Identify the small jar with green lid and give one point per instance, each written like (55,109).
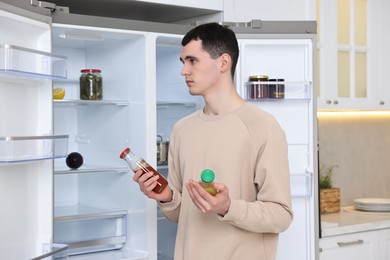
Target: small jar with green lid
(207,177)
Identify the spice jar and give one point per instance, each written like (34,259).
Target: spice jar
(256,88)
(206,181)
(91,84)
(276,90)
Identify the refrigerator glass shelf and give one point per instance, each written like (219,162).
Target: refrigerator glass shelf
(76,102)
(15,149)
(77,212)
(90,169)
(24,62)
(277,90)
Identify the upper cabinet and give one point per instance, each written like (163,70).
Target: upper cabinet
(351,54)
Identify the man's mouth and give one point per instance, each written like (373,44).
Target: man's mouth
(189,82)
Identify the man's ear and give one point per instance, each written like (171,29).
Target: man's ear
(226,62)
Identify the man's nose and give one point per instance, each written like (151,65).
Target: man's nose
(184,70)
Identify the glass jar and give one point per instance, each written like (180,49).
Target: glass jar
(276,90)
(256,89)
(91,84)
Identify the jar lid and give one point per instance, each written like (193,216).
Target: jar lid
(124,153)
(258,77)
(90,70)
(207,176)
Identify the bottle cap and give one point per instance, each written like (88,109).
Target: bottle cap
(90,70)
(124,153)
(207,176)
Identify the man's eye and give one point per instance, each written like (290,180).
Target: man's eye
(193,61)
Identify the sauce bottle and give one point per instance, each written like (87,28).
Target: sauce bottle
(207,177)
(135,162)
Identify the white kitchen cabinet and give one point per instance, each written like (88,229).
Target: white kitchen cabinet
(245,11)
(357,246)
(385,244)
(353,88)
(381,53)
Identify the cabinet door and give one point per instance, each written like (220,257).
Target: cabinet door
(381,53)
(357,246)
(385,244)
(348,55)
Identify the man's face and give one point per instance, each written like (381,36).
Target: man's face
(201,72)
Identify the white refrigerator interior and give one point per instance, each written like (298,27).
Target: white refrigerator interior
(27,143)
(98,207)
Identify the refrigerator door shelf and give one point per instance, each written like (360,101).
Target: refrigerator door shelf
(26,62)
(87,229)
(14,149)
(287,90)
(301,185)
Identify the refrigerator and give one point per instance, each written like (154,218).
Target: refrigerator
(97,210)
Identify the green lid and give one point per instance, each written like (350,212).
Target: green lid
(207,176)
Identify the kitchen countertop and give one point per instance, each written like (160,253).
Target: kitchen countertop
(349,220)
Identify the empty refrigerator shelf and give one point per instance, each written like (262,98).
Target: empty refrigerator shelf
(30,148)
(77,212)
(76,102)
(20,61)
(87,229)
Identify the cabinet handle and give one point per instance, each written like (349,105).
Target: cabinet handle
(328,102)
(381,102)
(336,102)
(356,242)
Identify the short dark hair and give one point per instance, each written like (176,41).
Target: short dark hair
(216,40)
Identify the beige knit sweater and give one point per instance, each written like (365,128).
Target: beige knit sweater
(247,150)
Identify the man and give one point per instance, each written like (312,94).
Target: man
(243,145)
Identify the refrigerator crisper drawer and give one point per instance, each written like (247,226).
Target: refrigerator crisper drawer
(30,148)
(28,62)
(88,230)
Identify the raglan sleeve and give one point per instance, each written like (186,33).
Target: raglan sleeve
(271,212)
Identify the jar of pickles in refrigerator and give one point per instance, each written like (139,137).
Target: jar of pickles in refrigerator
(91,84)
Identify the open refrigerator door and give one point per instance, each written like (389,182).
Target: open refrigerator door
(27,143)
(286,61)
